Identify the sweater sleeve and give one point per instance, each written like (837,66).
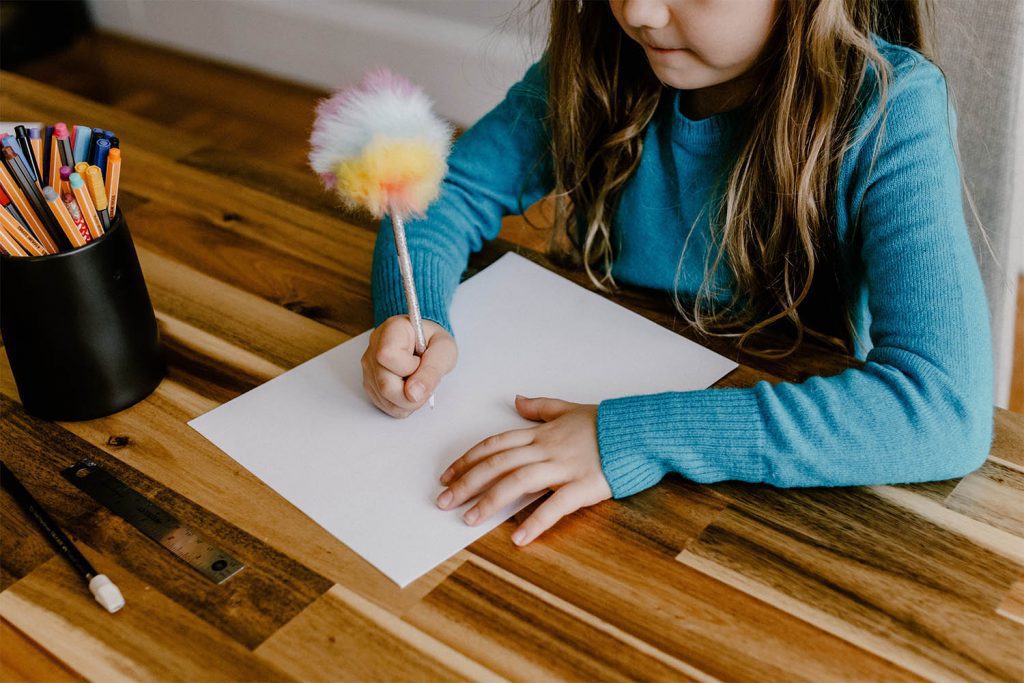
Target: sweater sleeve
(919,409)
(499,166)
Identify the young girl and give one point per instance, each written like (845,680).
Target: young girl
(772,165)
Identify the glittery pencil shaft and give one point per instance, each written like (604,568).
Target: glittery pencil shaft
(409,284)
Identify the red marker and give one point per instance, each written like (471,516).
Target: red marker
(5,201)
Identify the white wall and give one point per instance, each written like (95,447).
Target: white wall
(453,48)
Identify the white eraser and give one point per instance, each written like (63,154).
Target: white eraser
(106,593)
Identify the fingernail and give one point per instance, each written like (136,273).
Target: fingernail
(518,537)
(445,499)
(446,476)
(417,390)
(471,516)
(519,396)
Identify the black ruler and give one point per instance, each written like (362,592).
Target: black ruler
(153,521)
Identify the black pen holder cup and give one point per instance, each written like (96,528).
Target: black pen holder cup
(79,328)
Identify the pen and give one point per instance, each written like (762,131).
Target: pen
(35,198)
(113,177)
(12,143)
(102,588)
(83,137)
(94,181)
(85,204)
(35,227)
(76,215)
(100,157)
(5,201)
(53,164)
(47,151)
(35,139)
(62,139)
(65,179)
(67,223)
(9,245)
(97,134)
(22,236)
(21,133)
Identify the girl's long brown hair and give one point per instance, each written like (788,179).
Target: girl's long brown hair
(774,224)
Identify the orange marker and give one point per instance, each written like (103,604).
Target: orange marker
(113,178)
(94,181)
(81,167)
(40,236)
(55,164)
(76,216)
(36,140)
(9,245)
(85,204)
(67,224)
(19,234)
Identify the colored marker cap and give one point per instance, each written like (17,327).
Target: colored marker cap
(60,130)
(65,172)
(49,193)
(76,181)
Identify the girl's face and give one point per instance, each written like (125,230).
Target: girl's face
(693,44)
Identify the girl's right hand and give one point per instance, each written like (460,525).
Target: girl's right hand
(397,380)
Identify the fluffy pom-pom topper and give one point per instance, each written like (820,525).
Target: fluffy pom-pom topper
(380,146)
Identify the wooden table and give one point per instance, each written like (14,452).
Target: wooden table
(253,270)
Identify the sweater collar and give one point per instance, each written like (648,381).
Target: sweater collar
(706,133)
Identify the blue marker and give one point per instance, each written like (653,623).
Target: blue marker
(83,137)
(100,158)
(97,135)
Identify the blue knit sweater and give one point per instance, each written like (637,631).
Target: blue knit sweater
(919,409)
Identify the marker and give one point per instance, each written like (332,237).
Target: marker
(97,134)
(35,199)
(113,178)
(64,218)
(22,236)
(115,142)
(63,141)
(76,216)
(35,139)
(9,245)
(5,201)
(81,167)
(94,181)
(83,137)
(53,163)
(47,149)
(100,157)
(85,204)
(35,228)
(102,588)
(65,177)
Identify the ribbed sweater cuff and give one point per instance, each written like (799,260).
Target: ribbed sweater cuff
(435,281)
(706,436)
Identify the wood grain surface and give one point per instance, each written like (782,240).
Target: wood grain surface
(253,270)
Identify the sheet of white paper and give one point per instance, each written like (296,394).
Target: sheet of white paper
(371,480)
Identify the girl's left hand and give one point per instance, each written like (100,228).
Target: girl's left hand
(561,455)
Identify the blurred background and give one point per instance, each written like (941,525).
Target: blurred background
(249,73)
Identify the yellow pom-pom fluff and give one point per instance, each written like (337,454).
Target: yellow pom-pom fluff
(402,175)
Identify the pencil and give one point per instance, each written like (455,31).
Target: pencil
(102,588)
